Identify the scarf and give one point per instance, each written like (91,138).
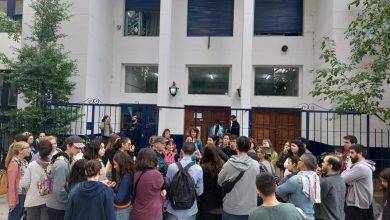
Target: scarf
(311,185)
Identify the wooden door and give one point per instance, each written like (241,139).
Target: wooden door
(279,126)
(203,118)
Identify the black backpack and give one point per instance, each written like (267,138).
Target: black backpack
(182,193)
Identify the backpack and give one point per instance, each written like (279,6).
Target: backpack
(183,194)
(45,182)
(3,182)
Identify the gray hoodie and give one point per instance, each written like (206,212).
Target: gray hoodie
(359,184)
(59,171)
(243,197)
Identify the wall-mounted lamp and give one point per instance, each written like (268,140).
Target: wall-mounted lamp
(284,48)
(173,89)
(239,92)
(118,27)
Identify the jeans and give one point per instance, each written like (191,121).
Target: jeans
(17,212)
(123,214)
(173,217)
(37,212)
(227,216)
(55,214)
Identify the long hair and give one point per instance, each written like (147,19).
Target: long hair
(146,159)
(77,173)
(113,138)
(301,148)
(270,144)
(211,160)
(125,165)
(385,174)
(197,136)
(14,150)
(92,151)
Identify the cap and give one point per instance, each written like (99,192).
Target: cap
(160,139)
(76,140)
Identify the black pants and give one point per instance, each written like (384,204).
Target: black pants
(55,214)
(355,213)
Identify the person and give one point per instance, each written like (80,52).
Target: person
(16,165)
(217,130)
(296,149)
(292,168)
(238,202)
(95,151)
(30,141)
(124,166)
(77,173)
(159,145)
(113,138)
(170,153)
(332,191)
(271,209)
(264,154)
(359,182)
(384,176)
(303,190)
(282,158)
(134,132)
(54,149)
(148,199)
(195,135)
(61,163)
(274,155)
(232,150)
(90,199)
(35,203)
(252,152)
(109,154)
(212,140)
(348,141)
(210,202)
(305,144)
(195,171)
(105,128)
(235,128)
(166,133)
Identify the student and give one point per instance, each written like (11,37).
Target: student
(16,165)
(90,199)
(385,178)
(77,173)
(271,208)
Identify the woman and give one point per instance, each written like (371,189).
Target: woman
(197,154)
(264,154)
(77,173)
(90,199)
(194,133)
(149,198)
(109,154)
(124,167)
(296,149)
(292,168)
(282,158)
(105,128)
(170,155)
(212,140)
(95,150)
(113,138)
(166,134)
(385,178)
(252,151)
(210,207)
(36,171)
(16,166)
(274,155)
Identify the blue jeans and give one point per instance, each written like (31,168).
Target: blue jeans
(17,212)
(123,214)
(173,217)
(227,216)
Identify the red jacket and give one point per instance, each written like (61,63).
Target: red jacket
(13,174)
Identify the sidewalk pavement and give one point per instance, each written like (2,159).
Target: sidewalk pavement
(3,207)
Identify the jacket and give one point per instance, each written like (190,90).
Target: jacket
(90,200)
(59,172)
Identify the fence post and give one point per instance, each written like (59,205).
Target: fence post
(307,125)
(93,123)
(368,136)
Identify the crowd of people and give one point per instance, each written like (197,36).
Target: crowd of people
(230,177)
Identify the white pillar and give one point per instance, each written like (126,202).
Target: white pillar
(164,60)
(246,67)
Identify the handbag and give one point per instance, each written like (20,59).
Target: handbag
(3,182)
(228,185)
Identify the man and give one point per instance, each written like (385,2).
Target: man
(235,128)
(54,149)
(134,132)
(158,145)
(348,141)
(359,184)
(232,148)
(196,173)
(303,189)
(271,208)
(242,198)
(332,191)
(305,144)
(217,130)
(56,201)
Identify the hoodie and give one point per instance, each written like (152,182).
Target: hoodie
(60,170)
(90,200)
(243,196)
(359,184)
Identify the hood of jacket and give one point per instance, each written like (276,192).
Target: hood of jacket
(240,163)
(369,163)
(91,189)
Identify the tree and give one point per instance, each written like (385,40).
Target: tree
(7,25)
(358,84)
(41,72)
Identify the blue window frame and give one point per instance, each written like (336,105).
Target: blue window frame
(142,18)
(278,17)
(210,17)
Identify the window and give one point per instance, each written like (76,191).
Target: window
(3,6)
(8,94)
(276,81)
(210,17)
(142,18)
(141,79)
(208,80)
(278,17)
